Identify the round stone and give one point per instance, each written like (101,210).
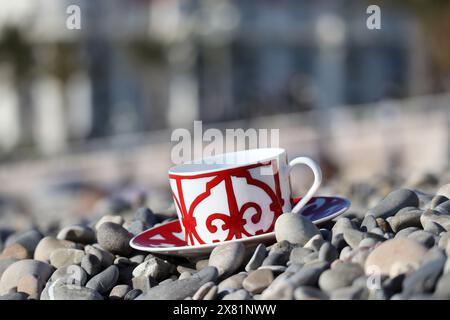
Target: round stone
(395,256)
(21,268)
(227,258)
(106,258)
(444,191)
(91,264)
(49,244)
(393,202)
(328,253)
(114,238)
(406,217)
(78,234)
(341,276)
(154,267)
(258,280)
(64,257)
(15,251)
(109,218)
(233,283)
(60,291)
(105,280)
(70,275)
(146,216)
(28,239)
(119,292)
(295,228)
(257,258)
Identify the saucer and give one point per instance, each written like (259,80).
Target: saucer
(168,238)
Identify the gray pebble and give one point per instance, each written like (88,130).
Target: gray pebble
(91,264)
(105,280)
(180,289)
(328,253)
(424,279)
(119,292)
(257,258)
(341,276)
(393,202)
(294,228)
(227,258)
(132,294)
(406,217)
(114,238)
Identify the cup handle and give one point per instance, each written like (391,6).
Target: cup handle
(317,180)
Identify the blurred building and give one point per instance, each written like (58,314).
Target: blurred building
(142,65)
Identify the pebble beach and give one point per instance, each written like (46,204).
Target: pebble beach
(392,244)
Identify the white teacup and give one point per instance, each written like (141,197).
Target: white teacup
(236,195)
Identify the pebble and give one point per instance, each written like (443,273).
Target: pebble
(143,283)
(368,223)
(406,217)
(405,232)
(383,225)
(295,228)
(308,275)
(109,218)
(106,258)
(154,267)
(185,275)
(238,295)
(423,237)
(326,234)
(105,280)
(47,245)
(353,237)
(257,258)
(114,238)
(395,256)
(135,227)
(180,289)
(434,228)
(437,200)
(444,191)
(444,240)
(71,274)
(78,234)
(146,216)
(393,202)
(31,285)
(341,276)
(443,287)
(207,291)
(258,280)
(443,208)
(279,290)
(15,251)
(298,254)
(201,264)
(309,293)
(340,225)
(119,292)
(132,294)
(314,243)
(14,296)
(233,283)
(28,239)
(11,276)
(61,291)
(424,279)
(338,241)
(64,257)
(367,243)
(227,258)
(5,263)
(91,264)
(436,216)
(278,254)
(328,253)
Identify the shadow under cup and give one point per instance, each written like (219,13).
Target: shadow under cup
(231,196)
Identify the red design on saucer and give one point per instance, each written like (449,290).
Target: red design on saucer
(234,222)
(170,234)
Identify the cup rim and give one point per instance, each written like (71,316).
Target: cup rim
(193,168)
